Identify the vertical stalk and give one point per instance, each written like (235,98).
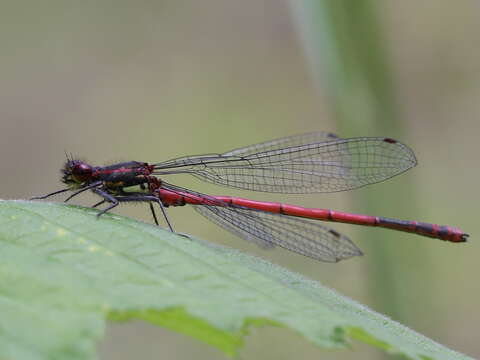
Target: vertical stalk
(344,46)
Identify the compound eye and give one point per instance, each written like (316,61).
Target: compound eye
(81,172)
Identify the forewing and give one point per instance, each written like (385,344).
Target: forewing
(315,162)
(282,143)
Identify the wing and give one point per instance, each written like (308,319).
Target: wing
(285,142)
(314,162)
(305,237)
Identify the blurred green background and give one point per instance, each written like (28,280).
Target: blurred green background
(151,80)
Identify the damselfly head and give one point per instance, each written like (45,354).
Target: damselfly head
(76,173)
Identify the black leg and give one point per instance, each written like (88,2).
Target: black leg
(153,213)
(165,214)
(48,195)
(141,198)
(108,208)
(107,197)
(91,186)
(98,204)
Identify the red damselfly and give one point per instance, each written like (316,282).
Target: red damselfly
(307,163)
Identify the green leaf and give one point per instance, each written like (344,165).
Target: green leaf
(63,272)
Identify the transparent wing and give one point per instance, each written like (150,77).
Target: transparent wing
(285,142)
(314,162)
(302,236)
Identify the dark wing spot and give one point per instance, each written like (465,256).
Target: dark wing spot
(334,233)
